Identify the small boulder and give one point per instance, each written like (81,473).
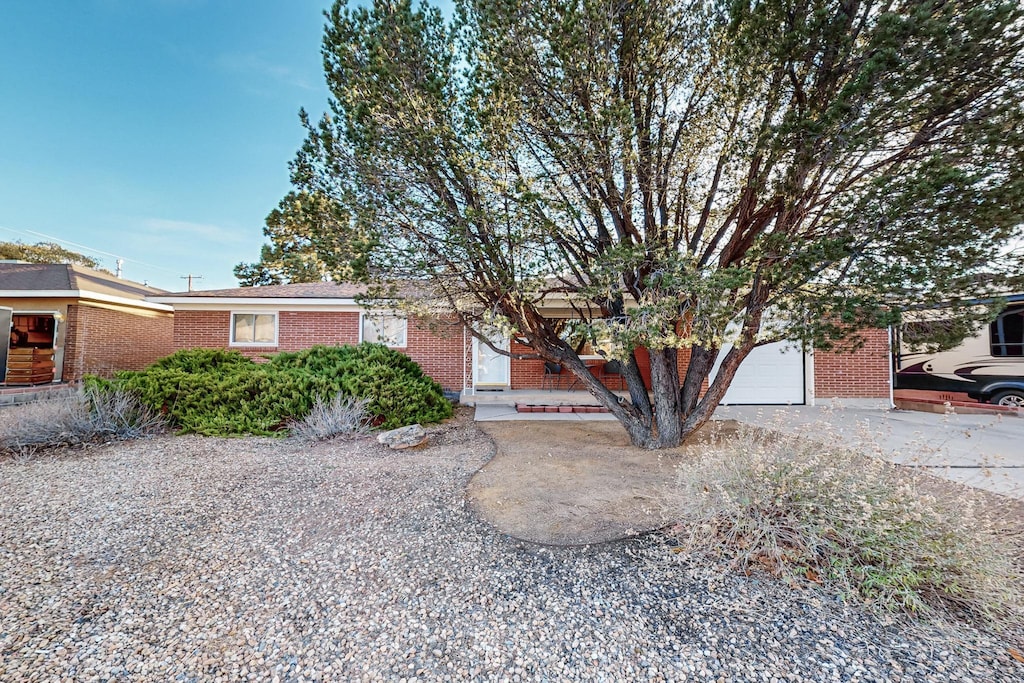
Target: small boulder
(403,437)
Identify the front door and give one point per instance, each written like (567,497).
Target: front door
(490,368)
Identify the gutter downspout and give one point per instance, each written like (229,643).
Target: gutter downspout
(892,370)
(465,362)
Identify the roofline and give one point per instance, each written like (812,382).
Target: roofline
(85,295)
(229,301)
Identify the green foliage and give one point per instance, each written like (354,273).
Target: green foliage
(806,508)
(397,391)
(310,240)
(45,252)
(700,172)
(222,393)
(201,360)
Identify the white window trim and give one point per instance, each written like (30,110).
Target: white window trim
(391,314)
(231,329)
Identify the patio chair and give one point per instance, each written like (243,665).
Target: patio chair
(612,371)
(552,376)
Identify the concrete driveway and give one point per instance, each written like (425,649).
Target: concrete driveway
(986,451)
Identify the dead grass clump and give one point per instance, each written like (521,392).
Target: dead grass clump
(806,511)
(341,416)
(74,419)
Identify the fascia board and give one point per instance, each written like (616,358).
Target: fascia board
(196,303)
(84,295)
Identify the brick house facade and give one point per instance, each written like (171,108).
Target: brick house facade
(865,373)
(75,321)
(436,351)
(296,316)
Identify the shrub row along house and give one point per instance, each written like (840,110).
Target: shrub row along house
(71,320)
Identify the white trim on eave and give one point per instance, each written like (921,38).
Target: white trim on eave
(209,303)
(84,295)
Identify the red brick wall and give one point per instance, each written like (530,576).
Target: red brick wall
(526,374)
(529,374)
(301,329)
(861,374)
(442,352)
(100,340)
(439,352)
(201,329)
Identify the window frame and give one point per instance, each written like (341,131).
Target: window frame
(231,329)
(364,315)
(997,329)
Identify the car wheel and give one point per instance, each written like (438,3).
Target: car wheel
(1013,398)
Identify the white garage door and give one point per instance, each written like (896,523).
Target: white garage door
(772,374)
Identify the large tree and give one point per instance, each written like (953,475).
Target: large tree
(305,243)
(701,175)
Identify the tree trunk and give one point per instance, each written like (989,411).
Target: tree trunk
(705,408)
(701,361)
(638,391)
(665,387)
(671,419)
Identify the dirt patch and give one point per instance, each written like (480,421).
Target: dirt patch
(575,483)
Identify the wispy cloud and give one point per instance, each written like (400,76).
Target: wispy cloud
(205,233)
(253,66)
(164,250)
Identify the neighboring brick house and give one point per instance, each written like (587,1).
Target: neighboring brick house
(67,321)
(262,320)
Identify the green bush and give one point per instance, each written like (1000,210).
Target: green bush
(201,360)
(223,393)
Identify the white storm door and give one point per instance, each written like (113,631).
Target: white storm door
(490,368)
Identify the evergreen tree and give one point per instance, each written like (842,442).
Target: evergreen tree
(708,175)
(310,240)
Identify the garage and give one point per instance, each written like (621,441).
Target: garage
(772,374)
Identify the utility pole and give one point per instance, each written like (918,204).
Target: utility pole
(191,277)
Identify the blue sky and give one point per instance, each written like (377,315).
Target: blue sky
(157,131)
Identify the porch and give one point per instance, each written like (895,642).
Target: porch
(531,397)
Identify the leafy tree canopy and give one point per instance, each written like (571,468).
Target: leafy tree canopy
(696,177)
(306,243)
(45,252)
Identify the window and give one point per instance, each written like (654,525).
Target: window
(254,328)
(385,328)
(1006,334)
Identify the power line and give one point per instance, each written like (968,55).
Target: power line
(105,253)
(73,244)
(93,250)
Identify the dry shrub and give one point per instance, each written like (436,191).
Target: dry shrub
(73,419)
(806,511)
(341,416)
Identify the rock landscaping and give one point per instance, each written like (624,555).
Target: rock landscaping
(195,559)
(403,437)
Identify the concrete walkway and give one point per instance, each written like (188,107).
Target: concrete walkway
(984,451)
(497,412)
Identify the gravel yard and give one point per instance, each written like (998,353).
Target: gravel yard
(188,559)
